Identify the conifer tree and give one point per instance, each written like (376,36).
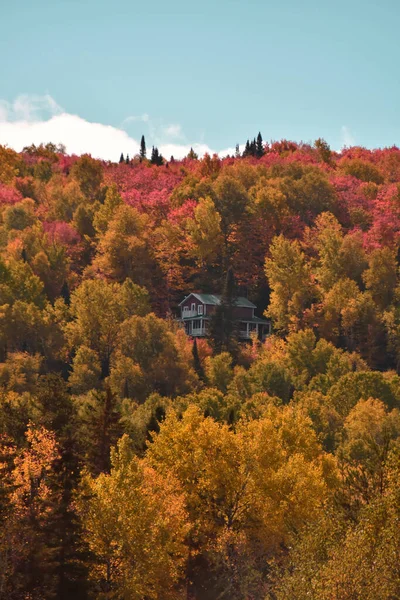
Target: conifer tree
(156,157)
(237,151)
(192,154)
(223,329)
(65,293)
(142,147)
(121,158)
(127,161)
(196,361)
(259,146)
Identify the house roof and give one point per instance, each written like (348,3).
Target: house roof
(215,299)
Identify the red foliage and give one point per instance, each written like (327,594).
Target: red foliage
(9,195)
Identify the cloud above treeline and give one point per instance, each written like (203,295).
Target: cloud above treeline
(39,119)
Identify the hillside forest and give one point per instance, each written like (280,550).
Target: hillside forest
(139,464)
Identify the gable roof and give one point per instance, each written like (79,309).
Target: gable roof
(215,299)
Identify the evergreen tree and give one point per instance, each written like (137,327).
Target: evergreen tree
(259,146)
(196,361)
(142,147)
(237,151)
(65,293)
(156,157)
(127,161)
(192,155)
(246,151)
(223,328)
(121,158)
(23,255)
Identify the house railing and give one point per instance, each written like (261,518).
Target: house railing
(187,314)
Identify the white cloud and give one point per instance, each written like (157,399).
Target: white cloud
(173,131)
(144,118)
(39,119)
(347,138)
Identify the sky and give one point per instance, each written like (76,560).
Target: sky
(96,75)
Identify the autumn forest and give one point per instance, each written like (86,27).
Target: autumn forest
(140,464)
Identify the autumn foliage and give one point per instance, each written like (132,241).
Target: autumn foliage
(135,464)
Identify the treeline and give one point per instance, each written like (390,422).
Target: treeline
(137,464)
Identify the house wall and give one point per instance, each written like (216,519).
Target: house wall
(242,312)
(189,301)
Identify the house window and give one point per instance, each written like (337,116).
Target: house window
(193,307)
(199,309)
(196,324)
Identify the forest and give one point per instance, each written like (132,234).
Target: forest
(139,464)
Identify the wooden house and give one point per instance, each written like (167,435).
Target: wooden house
(197,310)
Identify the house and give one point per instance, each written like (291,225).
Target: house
(197,310)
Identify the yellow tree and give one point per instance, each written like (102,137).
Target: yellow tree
(246,491)
(135,525)
(290,281)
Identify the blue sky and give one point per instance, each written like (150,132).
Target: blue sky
(210,73)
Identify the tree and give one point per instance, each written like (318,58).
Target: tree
(124,249)
(89,174)
(150,352)
(156,157)
(246,490)
(223,334)
(192,154)
(121,158)
(381,276)
(290,281)
(29,564)
(324,150)
(198,367)
(205,232)
(98,310)
(259,146)
(142,147)
(135,524)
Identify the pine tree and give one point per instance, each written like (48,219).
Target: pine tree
(246,151)
(223,328)
(196,361)
(65,293)
(142,147)
(259,146)
(192,155)
(237,151)
(156,157)
(127,161)
(121,158)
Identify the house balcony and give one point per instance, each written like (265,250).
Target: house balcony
(189,314)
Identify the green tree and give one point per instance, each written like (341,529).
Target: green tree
(89,174)
(223,327)
(142,147)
